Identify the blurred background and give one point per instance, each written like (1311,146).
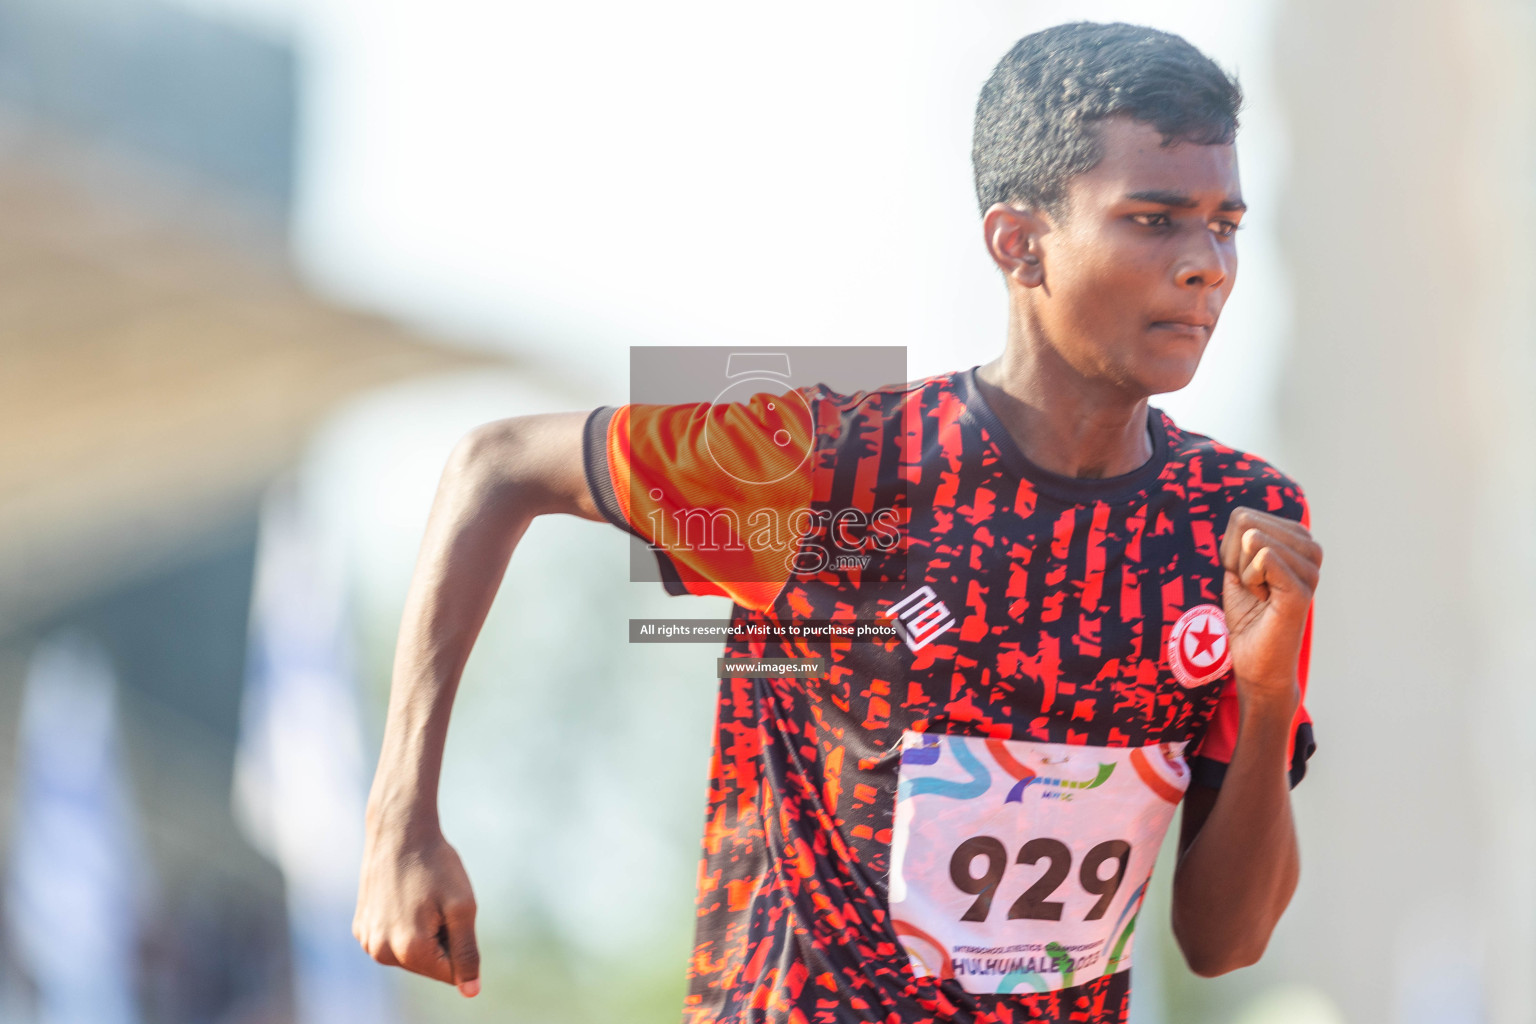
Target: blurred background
(263,261)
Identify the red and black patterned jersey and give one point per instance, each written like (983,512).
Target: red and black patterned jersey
(1033,614)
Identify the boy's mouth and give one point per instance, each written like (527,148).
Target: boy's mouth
(1194,326)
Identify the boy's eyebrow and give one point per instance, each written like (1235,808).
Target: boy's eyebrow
(1180,200)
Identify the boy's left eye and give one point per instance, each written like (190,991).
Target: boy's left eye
(1223,228)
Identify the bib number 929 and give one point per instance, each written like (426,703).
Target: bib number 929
(1034,905)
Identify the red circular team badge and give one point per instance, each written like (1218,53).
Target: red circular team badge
(1197,648)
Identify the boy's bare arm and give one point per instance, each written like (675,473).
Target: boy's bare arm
(415,908)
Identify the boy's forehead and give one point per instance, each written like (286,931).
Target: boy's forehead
(1134,162)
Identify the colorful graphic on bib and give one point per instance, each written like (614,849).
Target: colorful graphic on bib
(1133,911)
(926,751)
(1001,900)
(1011,982)
(919,943)
(1163,769)
(1198,651)
(1027,777)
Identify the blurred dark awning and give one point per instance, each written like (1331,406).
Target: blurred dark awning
(159,364)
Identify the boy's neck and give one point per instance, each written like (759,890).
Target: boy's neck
(1062,422)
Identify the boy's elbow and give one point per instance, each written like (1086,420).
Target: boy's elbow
(525,465)
(1217,964)
(489,462)
(1211,959)
(484,447)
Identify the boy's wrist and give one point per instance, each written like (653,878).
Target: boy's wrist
(1269,695)
(405,808)
(404,792)
(1266,717)
(1268,706)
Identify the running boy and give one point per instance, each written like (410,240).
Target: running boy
(1098,614)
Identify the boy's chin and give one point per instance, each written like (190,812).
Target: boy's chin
(1165,380)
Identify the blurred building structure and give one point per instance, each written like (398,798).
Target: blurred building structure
(75,892)
(160,366)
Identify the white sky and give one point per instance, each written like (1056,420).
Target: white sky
(566,180)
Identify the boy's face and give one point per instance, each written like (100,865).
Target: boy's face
(1136,269)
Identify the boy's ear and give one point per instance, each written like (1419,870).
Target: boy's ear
(1013,238)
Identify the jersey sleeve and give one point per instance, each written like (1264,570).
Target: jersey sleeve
(1208,766)
(719,491)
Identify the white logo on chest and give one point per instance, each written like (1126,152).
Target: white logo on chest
(921,618)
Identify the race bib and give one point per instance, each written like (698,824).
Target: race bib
(1021,866)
